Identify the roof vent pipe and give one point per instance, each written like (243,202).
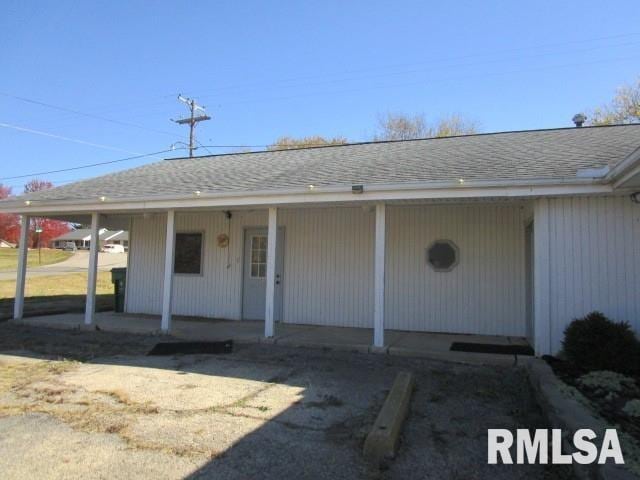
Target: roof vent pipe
(579,119)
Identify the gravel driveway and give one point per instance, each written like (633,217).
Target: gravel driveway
(108,411)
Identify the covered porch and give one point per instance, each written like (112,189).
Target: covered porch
(353,275)
(402,343)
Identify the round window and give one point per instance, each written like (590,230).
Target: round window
(442,255)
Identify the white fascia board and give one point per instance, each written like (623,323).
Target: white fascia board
(628,175)
(621,170)
(424,191)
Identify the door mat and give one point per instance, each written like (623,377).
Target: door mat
(491,348)
(192,348)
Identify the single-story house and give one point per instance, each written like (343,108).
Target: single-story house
(6,244)
(120,238)
(510,234)
(81,237)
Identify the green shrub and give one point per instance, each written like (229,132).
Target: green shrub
(596,343)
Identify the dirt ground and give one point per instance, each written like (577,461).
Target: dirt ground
(92,405)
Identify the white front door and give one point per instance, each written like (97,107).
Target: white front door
(255,274)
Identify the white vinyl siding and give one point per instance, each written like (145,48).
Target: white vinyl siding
(217,292)
(328,263)
(145,265)
(594,261)
(482,294)
(328,267)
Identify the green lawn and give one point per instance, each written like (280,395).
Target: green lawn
(9,257)
(55,285)
(56,294)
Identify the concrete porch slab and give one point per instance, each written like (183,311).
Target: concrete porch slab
(413,344)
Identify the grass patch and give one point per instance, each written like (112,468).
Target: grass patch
(15,376)
(56,285)
(9,257)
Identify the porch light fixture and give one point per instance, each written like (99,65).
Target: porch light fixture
(311,187)
(357,189)
(103,199)
(461,181)
(197,193)
(27,202)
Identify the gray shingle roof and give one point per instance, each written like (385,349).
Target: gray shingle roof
(508,156)
(77,234)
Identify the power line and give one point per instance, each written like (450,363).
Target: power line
(206,147)
(87,166)
(334,80)
(196,114)
(396,73)
(453,58)
(61,137)
(135,105)
(428,83)
(203,146)
(84,114)
(108,147)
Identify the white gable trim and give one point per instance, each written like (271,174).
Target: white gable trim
(115,234)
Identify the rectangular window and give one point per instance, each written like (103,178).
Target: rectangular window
(259,256)
(188,254)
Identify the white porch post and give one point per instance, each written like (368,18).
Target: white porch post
(541,278)
(94,247)
(272,236)
(18,305)
(167,288)
(378,287)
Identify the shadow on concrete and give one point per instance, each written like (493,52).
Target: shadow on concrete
(279,412)
(55,304)
(320,434)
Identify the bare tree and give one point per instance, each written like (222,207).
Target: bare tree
(624,108)
(394,126)
(286,143)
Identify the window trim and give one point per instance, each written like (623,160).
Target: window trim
(251,263)
(456,252)
(202,250)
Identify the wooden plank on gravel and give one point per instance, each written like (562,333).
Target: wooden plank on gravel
(382,441)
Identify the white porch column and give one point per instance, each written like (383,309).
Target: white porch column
(271,273)
(94,248)
(167,288)
(18,305)
(378,287)
(541,278)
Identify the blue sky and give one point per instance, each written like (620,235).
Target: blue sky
(266,69)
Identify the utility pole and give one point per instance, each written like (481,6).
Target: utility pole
(196,114)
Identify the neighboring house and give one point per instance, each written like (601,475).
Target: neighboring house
(511,234)
(5,244)
(82,238)
(120,238)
